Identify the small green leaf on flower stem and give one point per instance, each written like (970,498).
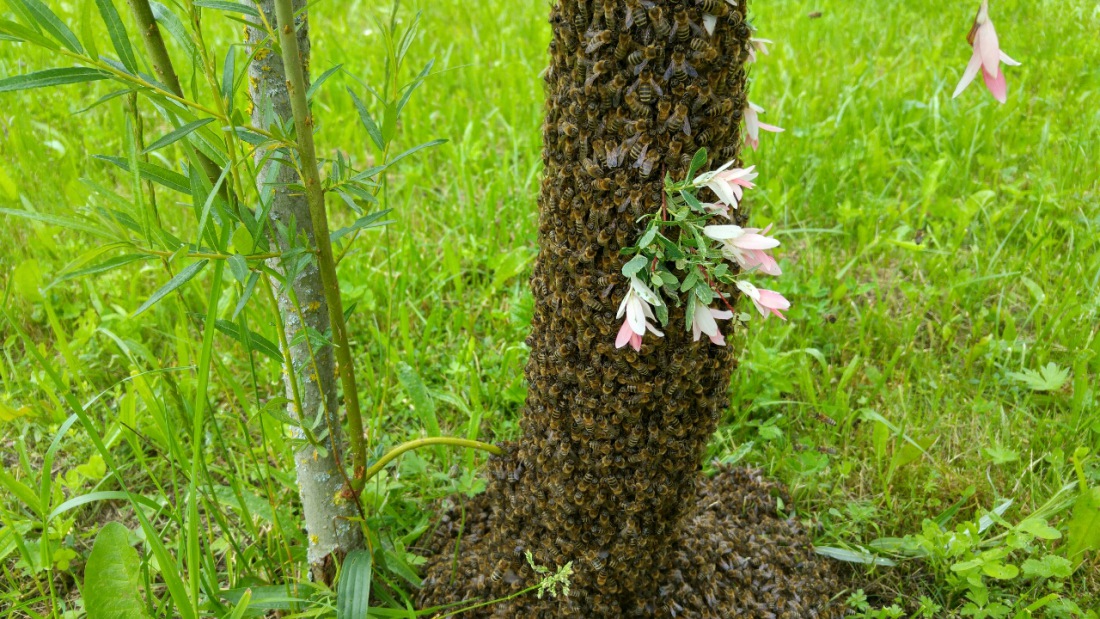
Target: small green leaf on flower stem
(647,238)
(692,201)
(697,162)
(368,121)
(112,578)
(636,264)
(180,279)
(46,18)
(117,31)
(51,77)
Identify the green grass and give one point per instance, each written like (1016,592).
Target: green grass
(935,250)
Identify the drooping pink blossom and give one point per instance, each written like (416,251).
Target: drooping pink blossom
(747,247)
(728,183)
(987,57)
(767,302)
(758,45)
(637,305)
(753,126)
(704,321)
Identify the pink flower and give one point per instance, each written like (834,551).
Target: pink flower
(758,45)
(728,184)
(718,208)
(703,321)
(753,125)
(987,56)
(637,307)
(766,301)
(747,247)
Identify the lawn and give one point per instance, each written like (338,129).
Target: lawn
(940,359)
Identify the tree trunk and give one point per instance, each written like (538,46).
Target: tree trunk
(607,471)
(320,479)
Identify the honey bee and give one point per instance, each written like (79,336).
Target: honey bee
(611,95)
(683,27)
(642,57)
(661,26)
(823,418)
(634,102)
(639,147)
(826,450)
(647,88)
(609,16)
(679,119)
(592,168)
(703,137)
(718,8)
(636,14)
(679,69)
(596,40)
(598,69)
(646,164)
(723,107)
(625,46)
(568,129)
(603,184)
(664,107)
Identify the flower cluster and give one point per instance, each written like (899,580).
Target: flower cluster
(684,256)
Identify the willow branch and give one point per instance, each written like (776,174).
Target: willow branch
(303,124)
(392,454)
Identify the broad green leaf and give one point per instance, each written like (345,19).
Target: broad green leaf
(180,279)
(1000,571)
(1039,528)
(51,77)
(231,7)
(368,121)
(853,556)
(1051,566)
(509,265)
(177,135)
(1084,526)
(353,592)
(1001,455)
(422,400)
(363,223)
(1049,378)
(117,31)
(48,21)
(112,578)
(153,172)
(28,280)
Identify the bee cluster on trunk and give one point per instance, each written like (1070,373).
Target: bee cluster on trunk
(607,472)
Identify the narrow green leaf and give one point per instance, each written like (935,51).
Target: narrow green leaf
(316,85)
(170,22)
(63,222)
(254,342)
(103,495)
(21,491)
(421,399)
(363,223)
(697,162)
(49,22)
(231,7)
(153,172)
(353,593)
(105,266)
(51,77)
(180,279)
(249,286)
(852,556)
(86,32)
(117,31)
(413,86)
(368,122)
(112,578)
(229,72)
(18,32)
(415,149)
(177,135)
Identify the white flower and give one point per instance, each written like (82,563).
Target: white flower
(637,305)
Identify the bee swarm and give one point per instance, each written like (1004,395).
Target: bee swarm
(607,474)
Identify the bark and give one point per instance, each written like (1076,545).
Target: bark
(607,471)
(321,482)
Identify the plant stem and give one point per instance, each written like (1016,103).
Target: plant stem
(425,442)
(303,125)
(162,65)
